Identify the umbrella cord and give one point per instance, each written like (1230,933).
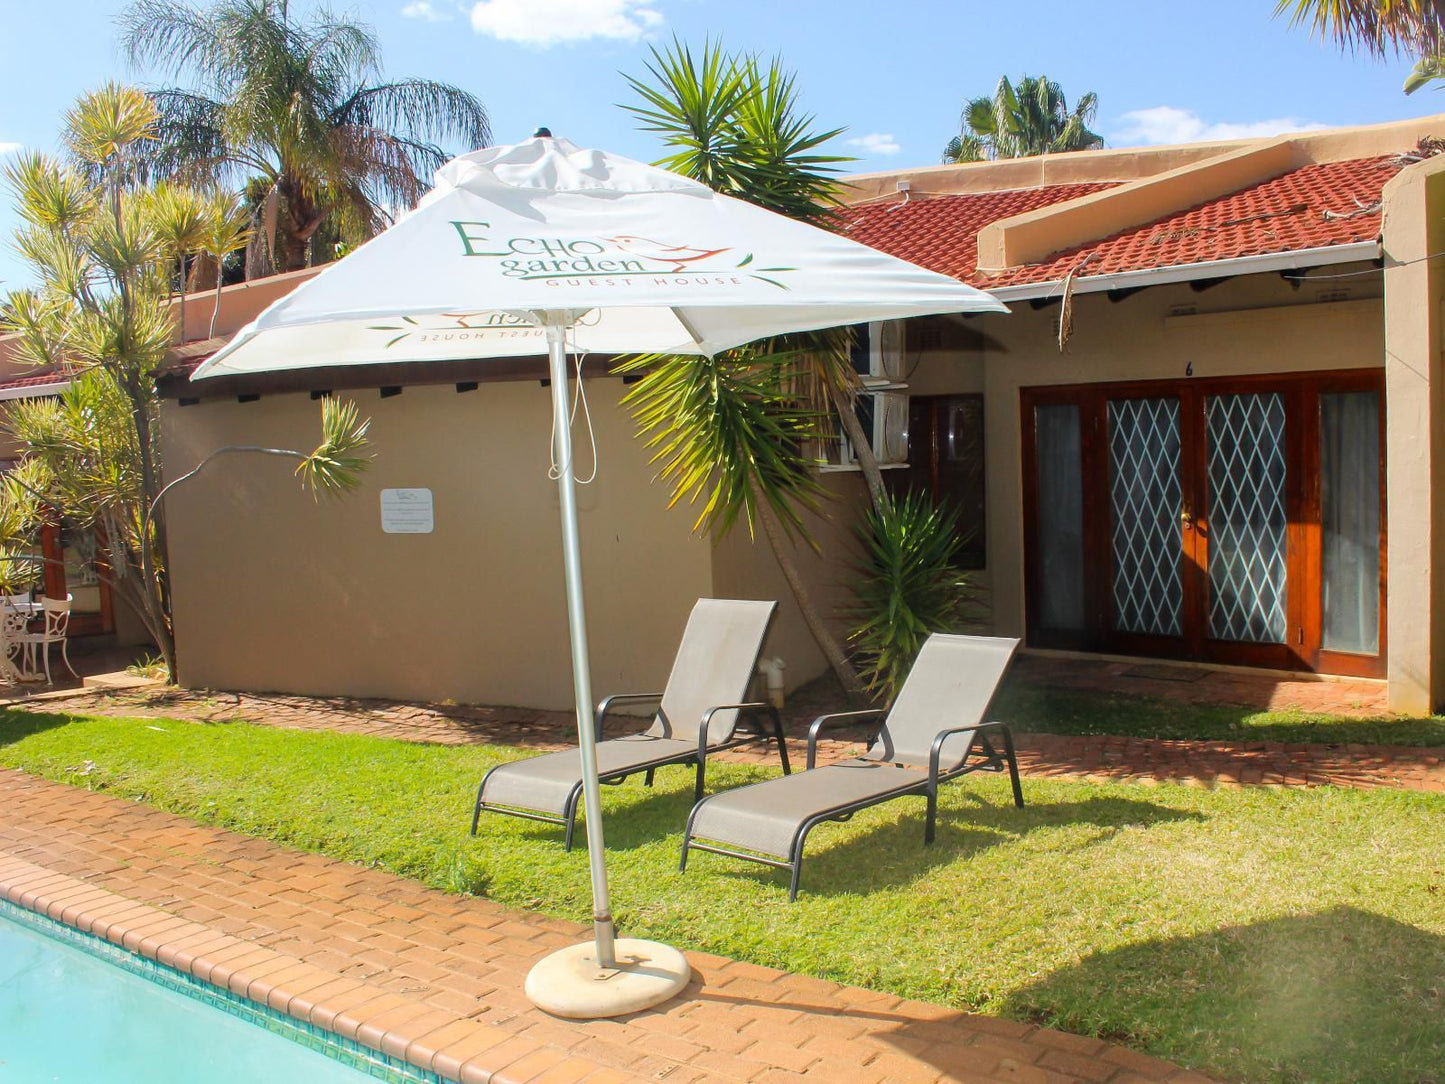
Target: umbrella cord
(579,398)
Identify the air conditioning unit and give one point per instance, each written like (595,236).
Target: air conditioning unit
(878,353)
(884,417)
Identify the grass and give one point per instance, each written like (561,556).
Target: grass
(1262,935)
(1057,711)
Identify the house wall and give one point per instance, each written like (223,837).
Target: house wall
(277,591)
(1413,233)
(745,567)
(1247,325)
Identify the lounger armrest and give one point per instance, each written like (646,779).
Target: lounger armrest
(621,698)
(936,752)
(756,705)
(838,719)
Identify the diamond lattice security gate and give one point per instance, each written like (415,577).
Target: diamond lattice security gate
(1145,501)
(1247,517)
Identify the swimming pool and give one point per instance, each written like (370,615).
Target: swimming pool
(69,1014)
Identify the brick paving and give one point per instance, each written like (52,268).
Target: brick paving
(1082,757)
(437,979)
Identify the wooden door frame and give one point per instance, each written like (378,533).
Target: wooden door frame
(81,624)
(1303,599)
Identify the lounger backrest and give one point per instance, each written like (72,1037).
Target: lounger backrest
(952,683)
(714,665)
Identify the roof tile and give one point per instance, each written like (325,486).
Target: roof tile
(1314,206)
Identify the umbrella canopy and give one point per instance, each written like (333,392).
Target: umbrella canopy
(643,260)
(544,247)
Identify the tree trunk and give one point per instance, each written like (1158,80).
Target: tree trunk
(822,635)
(862,445)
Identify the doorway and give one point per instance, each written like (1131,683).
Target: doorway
(1236,520)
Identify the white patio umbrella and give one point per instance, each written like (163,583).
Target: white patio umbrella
(542,247)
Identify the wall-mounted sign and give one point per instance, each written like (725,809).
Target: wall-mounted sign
(406,511)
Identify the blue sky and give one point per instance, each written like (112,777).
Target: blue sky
(893,74)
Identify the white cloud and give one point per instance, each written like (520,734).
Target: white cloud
(425,9)
(881,143)
(553,22)
(8,148)
(1166,124)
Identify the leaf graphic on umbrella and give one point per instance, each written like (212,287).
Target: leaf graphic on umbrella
(661,252)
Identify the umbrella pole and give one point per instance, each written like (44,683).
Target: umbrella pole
(606,977)
(602,928)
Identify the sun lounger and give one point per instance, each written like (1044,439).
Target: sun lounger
(701,711)
(933,733)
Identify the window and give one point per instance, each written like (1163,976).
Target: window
(946,460)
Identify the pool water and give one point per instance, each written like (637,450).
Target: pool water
(67,1015)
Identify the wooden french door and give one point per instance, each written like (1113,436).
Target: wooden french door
(1238,521)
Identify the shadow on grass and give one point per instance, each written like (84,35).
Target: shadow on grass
(894,854)
(1341,996)
(17,725)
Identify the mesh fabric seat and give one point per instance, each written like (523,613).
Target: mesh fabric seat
(702,710)
(934,732)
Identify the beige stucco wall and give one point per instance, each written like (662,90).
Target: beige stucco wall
(1247,325)
(274,591)
(745,567)
(1414,230)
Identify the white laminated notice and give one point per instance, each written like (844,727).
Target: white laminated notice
(406,511)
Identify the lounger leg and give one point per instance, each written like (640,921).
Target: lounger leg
(795,879)
(781,739)
(571,816)
(701,779)
(477,810)
(647,779)
(682,865)
(931,822)
(1013,766)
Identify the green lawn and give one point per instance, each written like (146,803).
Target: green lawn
(1054,711)
(1261,935)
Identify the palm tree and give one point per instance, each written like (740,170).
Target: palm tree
(300,105)
(1021,120)
(1376,26)
(1379,27)
(729,431)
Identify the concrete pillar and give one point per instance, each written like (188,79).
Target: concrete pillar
(1414,229)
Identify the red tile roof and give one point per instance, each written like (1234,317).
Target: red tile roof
(1314,206)
(34,381)
(941,232)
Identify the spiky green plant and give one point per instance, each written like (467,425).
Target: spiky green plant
(335,466)
(907,585)
(734,426)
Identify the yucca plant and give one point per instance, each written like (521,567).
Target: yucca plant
(734,428)
(907,585)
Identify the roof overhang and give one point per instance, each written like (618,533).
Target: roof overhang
(1192,272)
(33,391)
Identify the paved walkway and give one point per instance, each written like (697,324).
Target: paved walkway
(437,979)
(1090,758)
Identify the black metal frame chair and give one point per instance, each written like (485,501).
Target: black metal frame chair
(747,715)
(927,786)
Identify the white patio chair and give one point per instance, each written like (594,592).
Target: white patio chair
(13,624)
(57,625)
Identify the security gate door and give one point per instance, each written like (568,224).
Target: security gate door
(1233,521)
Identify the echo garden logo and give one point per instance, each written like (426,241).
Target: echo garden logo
(619,260)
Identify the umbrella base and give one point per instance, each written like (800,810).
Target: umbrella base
(569,983)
